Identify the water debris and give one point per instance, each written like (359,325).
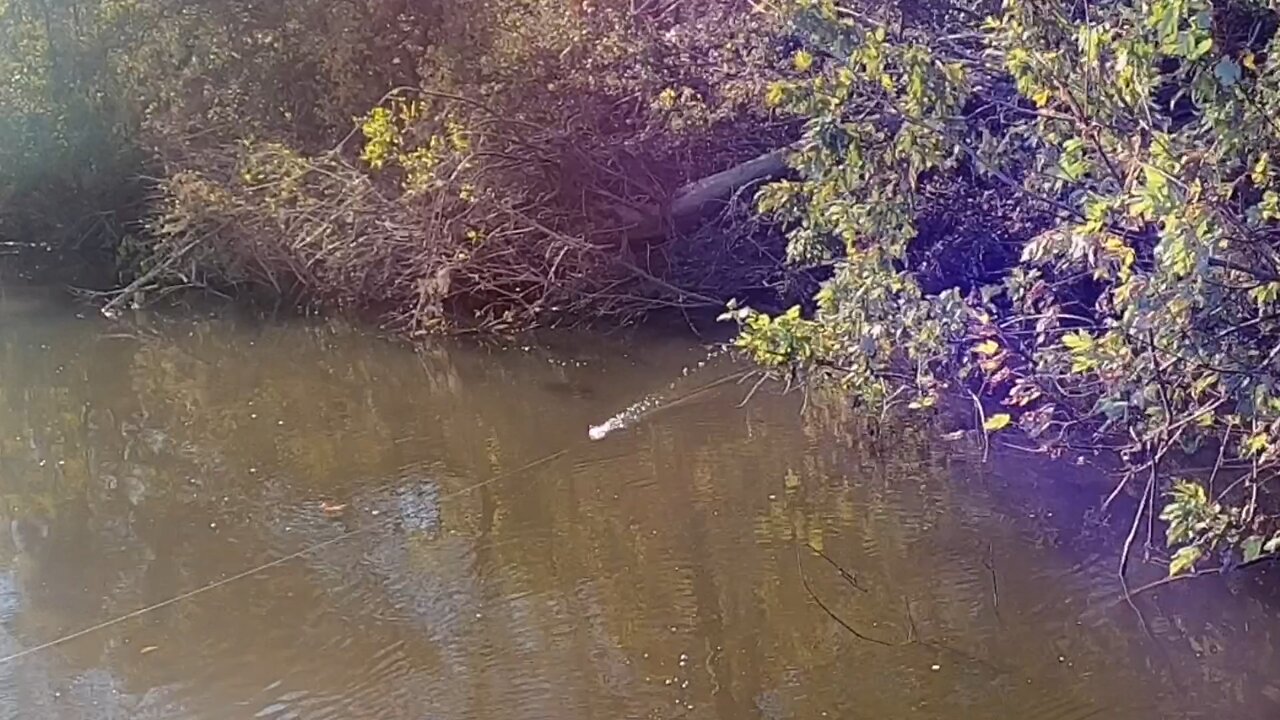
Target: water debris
(148,649)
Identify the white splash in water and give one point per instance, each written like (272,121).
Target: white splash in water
(625,419)
(598,432)
(638,411)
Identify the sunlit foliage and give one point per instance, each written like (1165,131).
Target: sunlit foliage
(1136,310)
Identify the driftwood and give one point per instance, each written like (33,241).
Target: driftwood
(695,200)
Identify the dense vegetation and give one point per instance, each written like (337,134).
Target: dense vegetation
(444,163)
(1061,210)
(1131,305)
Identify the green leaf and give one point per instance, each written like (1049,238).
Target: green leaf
(1155,180)
(997,422)
(1202,47)
(1227,72)
(1191,492)
(1252,548)
(1185,560)
(1261,169)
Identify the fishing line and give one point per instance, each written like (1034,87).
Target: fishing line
(339,538)
(268,565)
(643,409)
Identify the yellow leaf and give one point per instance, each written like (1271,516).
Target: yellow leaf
(1077,341)
(922,403)
(987,347)
(775,95)
(997,422)
(1256,444)
(1184,560)
(1261,169)
(803,60)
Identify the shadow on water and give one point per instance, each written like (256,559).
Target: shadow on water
(652,574)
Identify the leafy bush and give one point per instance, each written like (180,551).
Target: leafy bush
(1139,307)
(68,170)
(518,177)
(443,163)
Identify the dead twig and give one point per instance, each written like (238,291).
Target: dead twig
(981,417)
(848,576)
(990,562)
(804,580)
(1121,571)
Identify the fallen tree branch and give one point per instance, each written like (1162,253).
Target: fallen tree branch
(128,291)
(694,200)
(804,580)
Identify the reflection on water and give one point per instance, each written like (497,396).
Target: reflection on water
(653,574)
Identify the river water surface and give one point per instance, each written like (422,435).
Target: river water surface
(451,545)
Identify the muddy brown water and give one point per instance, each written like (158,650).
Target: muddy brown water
(652,574)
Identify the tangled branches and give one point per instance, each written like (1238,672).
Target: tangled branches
(453,218)
(521,175)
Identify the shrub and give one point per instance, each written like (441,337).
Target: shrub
(447,164)
(1138,310)
(516,176)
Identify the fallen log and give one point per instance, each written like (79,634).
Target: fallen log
(695,200)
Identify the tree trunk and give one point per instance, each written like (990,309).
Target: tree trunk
(693,200)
